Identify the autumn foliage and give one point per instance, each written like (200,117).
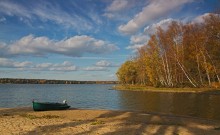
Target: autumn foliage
(182,56)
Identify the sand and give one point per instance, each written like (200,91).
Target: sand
(19,121)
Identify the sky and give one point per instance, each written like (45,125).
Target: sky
(84,40)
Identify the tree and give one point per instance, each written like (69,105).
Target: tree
(182,55)
(127,73)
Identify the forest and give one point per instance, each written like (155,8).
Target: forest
(183,55)
(45,81)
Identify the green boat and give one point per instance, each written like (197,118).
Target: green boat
(46,106)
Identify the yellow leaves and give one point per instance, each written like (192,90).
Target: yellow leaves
(127,72)
(181,55)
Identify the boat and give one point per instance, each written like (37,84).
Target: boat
(46,106)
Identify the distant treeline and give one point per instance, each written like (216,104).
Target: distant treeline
(44,81)
(183,55)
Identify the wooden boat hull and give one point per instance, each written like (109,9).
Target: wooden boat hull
(46,106)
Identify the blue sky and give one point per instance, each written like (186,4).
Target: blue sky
(83,39)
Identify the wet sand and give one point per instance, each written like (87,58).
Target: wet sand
(82,122)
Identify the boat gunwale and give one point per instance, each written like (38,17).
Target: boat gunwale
(44,106)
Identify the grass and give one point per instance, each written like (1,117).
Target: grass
(29,116)
(97,122)
(50,116)
(153,89)
(217,128)
(5,115)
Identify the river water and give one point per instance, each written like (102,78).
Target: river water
(99,96)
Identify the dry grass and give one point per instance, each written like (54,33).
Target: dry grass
(153,89)
(30,116)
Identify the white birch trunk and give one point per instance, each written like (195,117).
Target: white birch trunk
(186,73)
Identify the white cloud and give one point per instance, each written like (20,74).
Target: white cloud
(134,47)
(101,65)
(154,10)
(93,58)
(40,46)
(29,66)
(137,39)
(163,24)
(2,19)
(117,5)
(200,18)
(105,63)
(7,63)
(65,66)
(3,49)
(94,68)
(43,65)
(49,11)
(11,9)
(109,15)
(121,9)
(141,39)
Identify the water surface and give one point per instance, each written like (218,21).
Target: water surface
(98,96)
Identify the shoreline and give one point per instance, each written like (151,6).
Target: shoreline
(82,121)
(169,90)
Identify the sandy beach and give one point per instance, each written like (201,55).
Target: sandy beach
(82,122)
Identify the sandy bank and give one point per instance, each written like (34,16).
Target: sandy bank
(81,122)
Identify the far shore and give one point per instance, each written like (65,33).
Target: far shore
(173,90)
(107,122)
